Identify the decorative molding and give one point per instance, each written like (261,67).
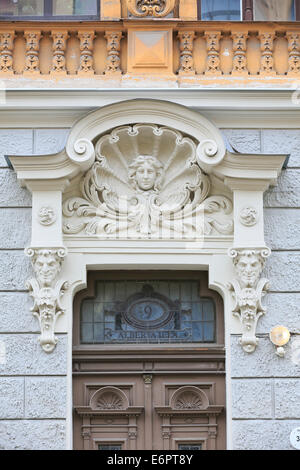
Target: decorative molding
(86,53)
(47,291)
(109,398)
(248,290)
(148,195)
(189,398)
(113,45)
(147,379)
(46,215)
(213,52)
(267,60)
(294,53)
(248,216)
(32,62)
(239,54)
(156,8)
(59,47)
(186,47)
(6,51)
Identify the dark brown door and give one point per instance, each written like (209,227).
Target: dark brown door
(148,363)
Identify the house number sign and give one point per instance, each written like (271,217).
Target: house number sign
(295,438)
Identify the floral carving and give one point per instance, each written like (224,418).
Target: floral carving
(213,53)
(59,47)
(248,290)
(113,60)
(239,51)
(248,216)
(46,216)
(156,8)
(32,62)
(294,53)
(133,195)
(267,60)
(186,39)
(86,52)
(6,51)
(47,291)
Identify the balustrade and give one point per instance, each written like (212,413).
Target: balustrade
(201,51)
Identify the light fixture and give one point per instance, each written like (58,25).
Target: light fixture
(280,336)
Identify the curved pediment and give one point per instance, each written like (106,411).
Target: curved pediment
(146,182)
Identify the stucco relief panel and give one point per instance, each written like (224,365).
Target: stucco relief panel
(146,182)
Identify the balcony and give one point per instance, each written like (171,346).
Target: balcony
(143,52)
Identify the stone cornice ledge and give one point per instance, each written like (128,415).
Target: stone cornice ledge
(251,108)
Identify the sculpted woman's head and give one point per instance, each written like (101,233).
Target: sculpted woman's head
(145,173)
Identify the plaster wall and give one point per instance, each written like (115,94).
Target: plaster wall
(33,385)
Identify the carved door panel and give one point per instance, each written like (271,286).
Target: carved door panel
(150,411)
(148,363)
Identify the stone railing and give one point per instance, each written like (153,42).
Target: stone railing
(193,51)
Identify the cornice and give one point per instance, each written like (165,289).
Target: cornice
(242,108)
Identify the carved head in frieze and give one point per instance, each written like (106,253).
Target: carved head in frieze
(146,173)
(47,265)
(249,265)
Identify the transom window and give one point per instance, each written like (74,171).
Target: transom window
(147,312)
(49,9)
(249,10)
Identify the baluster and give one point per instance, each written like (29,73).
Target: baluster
(294,53)
(6,51)
(59,47)
(213,53)
(186,47)
(267,60)
(239,54)
(113,61)
(86,53)
(32,62)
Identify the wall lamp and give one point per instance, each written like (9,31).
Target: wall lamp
(280,336)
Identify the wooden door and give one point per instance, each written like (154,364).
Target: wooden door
(153,388)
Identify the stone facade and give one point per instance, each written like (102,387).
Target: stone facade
(33,386)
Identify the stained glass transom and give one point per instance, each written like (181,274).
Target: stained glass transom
(147,312)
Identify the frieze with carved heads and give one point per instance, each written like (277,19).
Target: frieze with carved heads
(47,291)
(146,182)
(248,289)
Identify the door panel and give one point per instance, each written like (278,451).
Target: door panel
(156,395)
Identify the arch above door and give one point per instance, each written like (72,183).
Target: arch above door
(200,200)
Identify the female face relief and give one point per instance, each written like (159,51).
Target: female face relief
(145,176)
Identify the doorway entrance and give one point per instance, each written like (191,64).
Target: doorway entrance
(148,362)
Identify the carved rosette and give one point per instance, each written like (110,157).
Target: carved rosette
(86,52)
(6,51)
(213,53)
(186,46)
(32,62)
(294,53)
(156,8)
(248,216)
(267,60)
(47,290)
(248,289)
(239,54)
(59,47)
(113,45)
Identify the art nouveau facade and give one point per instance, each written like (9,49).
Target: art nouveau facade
(150,235)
